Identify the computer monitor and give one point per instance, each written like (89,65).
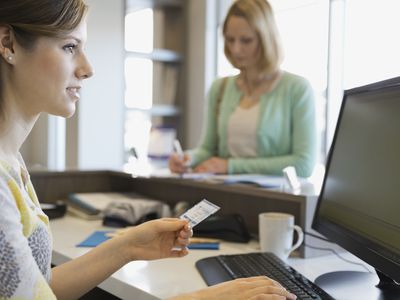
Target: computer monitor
(359,204)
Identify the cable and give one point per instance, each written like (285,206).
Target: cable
(338,255)
(332,250)
(318,237)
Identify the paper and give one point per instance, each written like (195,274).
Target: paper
(166,173)
(197,176)
(265,181)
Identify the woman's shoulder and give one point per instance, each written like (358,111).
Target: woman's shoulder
(5,174)
(295,84)
(294,79)
(227,83)
(7,202)
(223,80)
(9,170)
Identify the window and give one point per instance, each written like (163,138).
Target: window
(363,46)
(138,81)
(303,26)
(372,46)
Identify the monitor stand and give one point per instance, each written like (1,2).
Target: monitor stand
(359,285)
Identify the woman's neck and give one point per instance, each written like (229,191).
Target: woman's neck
(254,83)
(14,129)
(252,79)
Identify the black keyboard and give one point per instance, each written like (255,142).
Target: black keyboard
(222,268)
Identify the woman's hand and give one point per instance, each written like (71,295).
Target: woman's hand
(178,165)
(252,288)
(214,164)
(167,237)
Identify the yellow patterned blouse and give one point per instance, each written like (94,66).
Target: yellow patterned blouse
(25,240)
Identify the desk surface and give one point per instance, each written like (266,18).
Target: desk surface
(168,277)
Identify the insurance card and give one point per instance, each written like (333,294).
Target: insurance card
(199,212)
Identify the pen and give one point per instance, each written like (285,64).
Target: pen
(178,149)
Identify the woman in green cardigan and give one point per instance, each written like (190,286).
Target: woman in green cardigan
(263,119)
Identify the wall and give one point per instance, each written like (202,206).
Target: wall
(100,114)
(201,65)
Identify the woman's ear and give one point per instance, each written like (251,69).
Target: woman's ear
(6,43)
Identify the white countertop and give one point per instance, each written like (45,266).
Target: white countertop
(168,277)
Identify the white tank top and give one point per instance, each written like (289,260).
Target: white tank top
(242,131)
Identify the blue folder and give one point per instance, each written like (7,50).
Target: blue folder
(98,237)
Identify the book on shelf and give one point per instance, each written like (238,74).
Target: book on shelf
(169,84)
(90,206)
(116,209)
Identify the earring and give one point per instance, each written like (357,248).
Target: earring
(9,57)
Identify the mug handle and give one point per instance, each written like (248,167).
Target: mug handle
(300,238)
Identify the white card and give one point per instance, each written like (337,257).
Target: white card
(199,212)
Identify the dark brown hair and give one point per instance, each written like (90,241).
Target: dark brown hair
(31,19)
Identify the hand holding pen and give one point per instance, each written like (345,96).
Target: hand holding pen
(179,161)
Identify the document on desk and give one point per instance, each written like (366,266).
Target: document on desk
(260,180)
(265,181)
(197,176)
(187,175)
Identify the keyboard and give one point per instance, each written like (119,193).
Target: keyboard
(217,269)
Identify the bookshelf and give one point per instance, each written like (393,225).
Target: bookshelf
(155,43)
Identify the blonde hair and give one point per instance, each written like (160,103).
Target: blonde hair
(259,15)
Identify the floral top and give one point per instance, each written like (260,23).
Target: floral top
(25,240)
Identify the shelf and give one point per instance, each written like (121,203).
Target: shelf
(167,54)
(160,110)
(161,55)
(132,5)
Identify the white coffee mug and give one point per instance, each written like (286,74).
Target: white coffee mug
(276,233)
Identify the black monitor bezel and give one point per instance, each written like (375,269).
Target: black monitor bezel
(363,248)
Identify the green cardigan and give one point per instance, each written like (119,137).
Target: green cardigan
(286,134)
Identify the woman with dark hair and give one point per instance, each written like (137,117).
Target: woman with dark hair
(42,67)
(263,119)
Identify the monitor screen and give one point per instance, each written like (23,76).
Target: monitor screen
(359,203)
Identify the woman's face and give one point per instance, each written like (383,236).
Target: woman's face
(49,77)
(242,42)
